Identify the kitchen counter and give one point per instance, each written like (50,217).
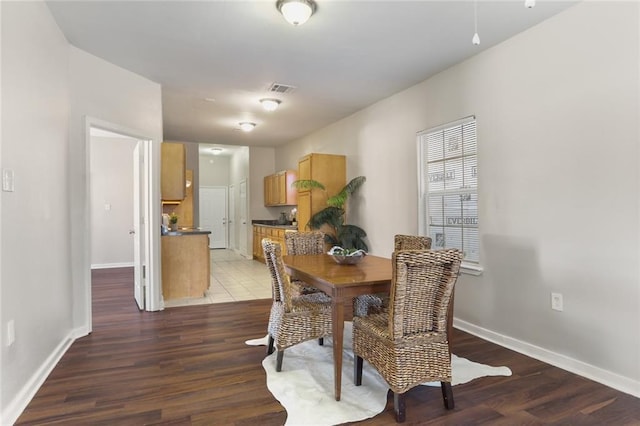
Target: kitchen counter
(273,224)
(181,232)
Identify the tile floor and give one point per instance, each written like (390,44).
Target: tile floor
(233,278)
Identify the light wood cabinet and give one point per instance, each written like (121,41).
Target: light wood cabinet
(185,266)
(278,190)
(173,171)
(328,169)
(260,232)
(184,209)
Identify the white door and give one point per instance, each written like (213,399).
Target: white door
(232,218)
(243,218)
(138,226)
(213,215)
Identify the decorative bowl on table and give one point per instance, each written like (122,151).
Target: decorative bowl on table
(346,256)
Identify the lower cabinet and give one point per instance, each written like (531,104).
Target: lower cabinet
(260,232)
(185,265)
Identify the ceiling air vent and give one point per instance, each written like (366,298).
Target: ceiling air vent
(280,88)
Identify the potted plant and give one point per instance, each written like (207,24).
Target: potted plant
(334,215)
(173,221)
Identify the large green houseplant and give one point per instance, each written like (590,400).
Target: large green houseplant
(334,215)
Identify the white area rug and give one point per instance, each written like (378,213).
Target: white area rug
(304,387)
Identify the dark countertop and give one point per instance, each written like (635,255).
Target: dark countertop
(273,224)
(183,232)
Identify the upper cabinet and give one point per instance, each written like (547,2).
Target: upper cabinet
(278,190)
(328,169)
(173,171)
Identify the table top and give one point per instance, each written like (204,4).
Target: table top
(321,267)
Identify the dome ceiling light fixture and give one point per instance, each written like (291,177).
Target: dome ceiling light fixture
(296,12)
(270,104)
(246,126)
(216,151)
(529,4)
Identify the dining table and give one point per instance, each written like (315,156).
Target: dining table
(343,282)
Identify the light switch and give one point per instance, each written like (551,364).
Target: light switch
(107,206)
(7,180)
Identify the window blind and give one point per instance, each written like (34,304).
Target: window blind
(449,187)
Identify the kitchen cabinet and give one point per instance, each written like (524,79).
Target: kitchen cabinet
(184,209)
(173,171)
(185,264)
(273,232)
(278,190)
(328,169)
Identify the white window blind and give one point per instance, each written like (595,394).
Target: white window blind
(449,187)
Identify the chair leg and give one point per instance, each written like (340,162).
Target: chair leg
(321,341)
(270,346)
(279,360)
(447,395)
(399,407)
(357,370)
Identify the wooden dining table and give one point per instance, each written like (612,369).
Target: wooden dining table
(342,283)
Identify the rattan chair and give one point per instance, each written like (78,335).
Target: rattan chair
(408,343)
(362,305)
(301,243)
(293,319)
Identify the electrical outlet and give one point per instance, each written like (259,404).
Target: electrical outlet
(556,302)
(11,332)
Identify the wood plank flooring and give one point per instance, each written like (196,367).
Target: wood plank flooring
(190,366)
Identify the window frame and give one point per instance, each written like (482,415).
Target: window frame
(468,267)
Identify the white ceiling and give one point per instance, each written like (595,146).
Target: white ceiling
(349,55)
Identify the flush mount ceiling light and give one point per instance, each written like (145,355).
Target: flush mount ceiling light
(296,12)
(529,3)
(247,126)
(216,151)
(270,104)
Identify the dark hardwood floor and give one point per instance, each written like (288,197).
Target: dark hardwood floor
(189,365)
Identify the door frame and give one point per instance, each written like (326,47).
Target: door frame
(231,221)
(151,241)
(139,161)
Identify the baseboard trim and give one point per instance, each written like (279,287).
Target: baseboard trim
(597,374)
(17,405)
(112,265)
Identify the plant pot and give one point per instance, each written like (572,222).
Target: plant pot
(173,226)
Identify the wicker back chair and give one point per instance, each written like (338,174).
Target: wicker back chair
(293,319)
(408,343)
(301,243)
(411,242)
(362,305)
(309,242)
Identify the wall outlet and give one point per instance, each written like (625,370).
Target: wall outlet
(556,302)
(11,332)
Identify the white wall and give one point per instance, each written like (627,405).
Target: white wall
(48,90)
(557,109)
(112,94)
(111,167)
(215,170)
(35,276)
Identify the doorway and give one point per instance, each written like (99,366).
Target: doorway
(148,261)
